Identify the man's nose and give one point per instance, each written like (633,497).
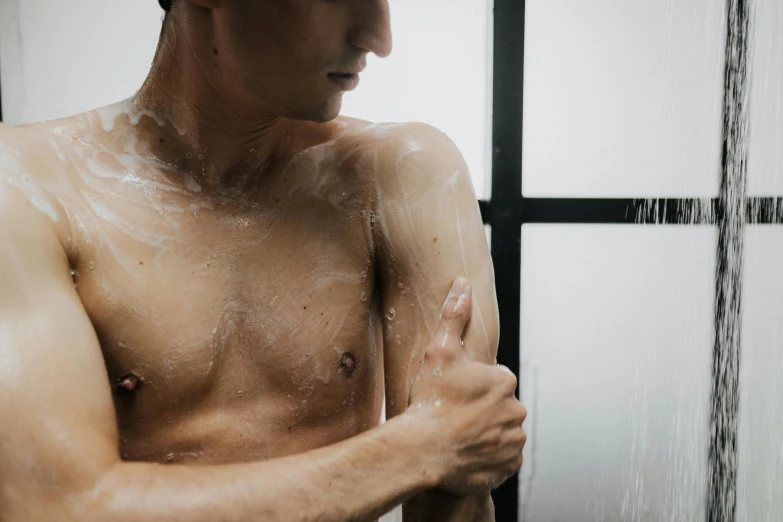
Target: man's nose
(371,31)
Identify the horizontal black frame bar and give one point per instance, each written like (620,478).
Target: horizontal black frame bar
(664,211)
(764,211)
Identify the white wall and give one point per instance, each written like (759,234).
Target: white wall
(765,162)
(616,348)
(60,58)
(623,97)
(760,474)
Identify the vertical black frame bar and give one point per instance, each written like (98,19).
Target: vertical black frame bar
(506,206)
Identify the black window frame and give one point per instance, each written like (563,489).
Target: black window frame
(508,210)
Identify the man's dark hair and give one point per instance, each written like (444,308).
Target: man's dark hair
(166,4)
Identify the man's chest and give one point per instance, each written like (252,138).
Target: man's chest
(202,306)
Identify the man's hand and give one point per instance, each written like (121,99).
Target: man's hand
(468,407)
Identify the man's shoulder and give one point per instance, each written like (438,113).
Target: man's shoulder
(391,135)
(13,140)
(28,169)
(39,137)
(21,146)
(410,155)
(18,148)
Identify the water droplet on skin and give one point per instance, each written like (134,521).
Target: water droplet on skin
(201,156)
(438,403)
(239,393)
(390,315)
(437,372)
(364,276)
(188,155)
(170,457)
(361,213)
(364,296)
(399,285)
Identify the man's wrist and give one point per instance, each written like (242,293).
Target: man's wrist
(411,434)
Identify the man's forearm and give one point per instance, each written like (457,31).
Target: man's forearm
(358,479)
(439,506)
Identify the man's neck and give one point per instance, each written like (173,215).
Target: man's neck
(206,132)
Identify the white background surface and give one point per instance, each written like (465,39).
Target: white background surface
(616,353)
(623,97)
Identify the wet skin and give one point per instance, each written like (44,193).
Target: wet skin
(266,316)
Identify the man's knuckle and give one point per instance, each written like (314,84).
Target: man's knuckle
(509,382)
(461,312)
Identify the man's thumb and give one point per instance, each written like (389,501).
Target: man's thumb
(455,315)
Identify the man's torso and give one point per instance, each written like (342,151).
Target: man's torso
(234,328)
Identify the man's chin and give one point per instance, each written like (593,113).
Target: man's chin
(322,113)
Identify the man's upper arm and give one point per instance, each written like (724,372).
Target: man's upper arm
(57,424)
(429,232)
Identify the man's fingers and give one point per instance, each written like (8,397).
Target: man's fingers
(454,316)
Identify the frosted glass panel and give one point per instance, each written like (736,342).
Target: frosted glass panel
(616,347)
(440,73)
(623,98)
(765,162)
(78,55)
(760,476)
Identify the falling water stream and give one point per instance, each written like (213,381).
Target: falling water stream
(722,463)
(744,435)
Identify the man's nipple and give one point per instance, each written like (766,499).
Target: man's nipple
(128,383)
(347,364)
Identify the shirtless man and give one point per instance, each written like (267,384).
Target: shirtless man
(206,290)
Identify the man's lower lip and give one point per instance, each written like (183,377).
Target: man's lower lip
(347,82)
